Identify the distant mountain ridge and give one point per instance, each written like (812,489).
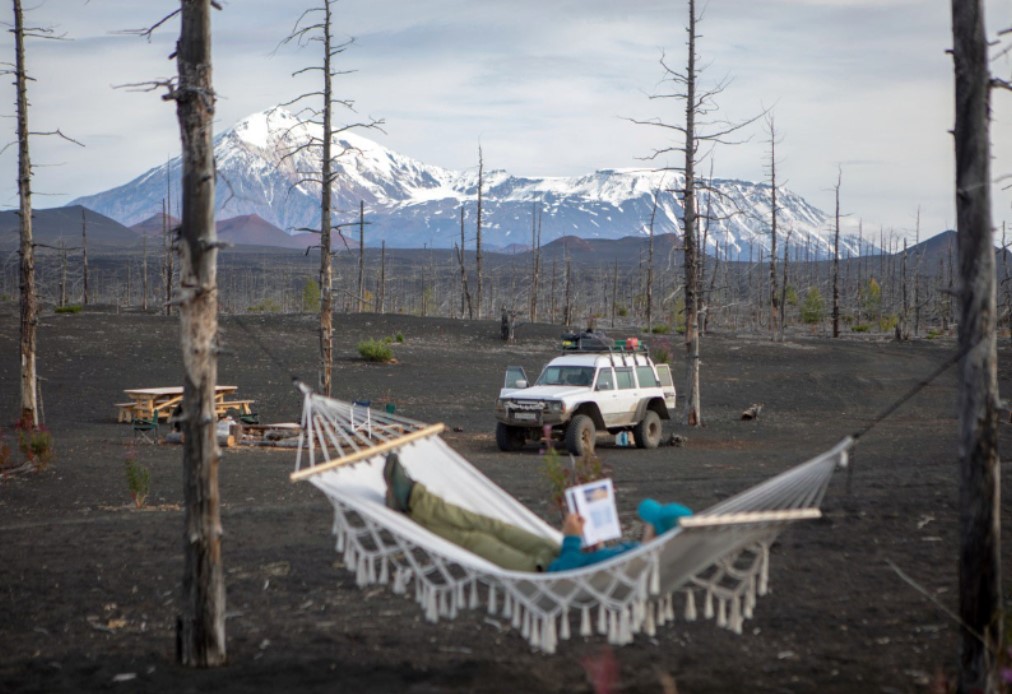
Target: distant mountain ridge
(265,169)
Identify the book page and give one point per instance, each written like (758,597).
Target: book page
(595,503)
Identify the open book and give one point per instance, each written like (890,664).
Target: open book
(595,502)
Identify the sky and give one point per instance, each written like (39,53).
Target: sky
(858,89)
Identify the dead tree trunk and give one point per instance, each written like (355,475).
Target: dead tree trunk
(650,265)
(693,414)
(84,261)
(477,241)
(201,627)
(167,234)
(536,259)
(382,288)
(326,179)
(465,293)
(29,416)
(361,256)
(144,271)
(776,311)
(980,589)
(836,259)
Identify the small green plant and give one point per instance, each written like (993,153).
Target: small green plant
(138,478)
(678,313)
(934,334)
(661,355)
(6,453)
(265,306)
(791,296)
(622,311)
(860,328)
(69,308)
(564,474)
(375,350)
(813,310)
(311,295)
(399,338)
(36,445)
(888,323)
(661,329)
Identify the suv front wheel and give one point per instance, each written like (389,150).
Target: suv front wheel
(648,432)
(581,435)
(509,438)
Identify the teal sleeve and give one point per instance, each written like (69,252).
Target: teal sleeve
(572,555)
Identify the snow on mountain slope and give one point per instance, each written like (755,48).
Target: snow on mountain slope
(268,165)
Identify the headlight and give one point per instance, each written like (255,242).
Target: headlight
(554,406)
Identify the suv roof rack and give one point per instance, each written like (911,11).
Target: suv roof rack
(593,342)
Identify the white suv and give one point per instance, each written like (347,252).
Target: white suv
(580,393)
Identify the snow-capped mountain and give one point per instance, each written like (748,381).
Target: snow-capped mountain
(269,163)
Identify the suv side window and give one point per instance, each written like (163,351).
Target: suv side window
(646,377)
(624,378)
(605,379)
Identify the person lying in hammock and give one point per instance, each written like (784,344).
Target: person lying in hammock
(506,545)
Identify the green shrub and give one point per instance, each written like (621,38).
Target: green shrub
(311,295)
(69,308)
(888,323)
(6,454)
(36,445)
(399,338)
(563,474)
(138,479)
(622,311)
(791,296)
(661,329)
(860,328)
(265,306)
(661,355)
(375,350)
(813,310)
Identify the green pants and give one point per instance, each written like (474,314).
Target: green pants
(500,543)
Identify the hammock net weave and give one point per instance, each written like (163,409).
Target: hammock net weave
(714,565)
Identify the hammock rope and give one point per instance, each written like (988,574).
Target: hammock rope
(721,555)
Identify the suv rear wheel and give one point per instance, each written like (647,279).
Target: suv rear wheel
(648,432)
(509,438)
(581,435)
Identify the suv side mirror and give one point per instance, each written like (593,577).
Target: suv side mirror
(521,383)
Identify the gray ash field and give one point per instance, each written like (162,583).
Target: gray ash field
(91,585)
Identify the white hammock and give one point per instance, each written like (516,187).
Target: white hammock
(719,556)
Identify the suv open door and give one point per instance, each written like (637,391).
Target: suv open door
(667,384)
(516,377)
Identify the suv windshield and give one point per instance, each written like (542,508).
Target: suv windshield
(566,376)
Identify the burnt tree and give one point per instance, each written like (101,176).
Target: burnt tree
(201,627)
(29,414)
(980,590)
(310,30)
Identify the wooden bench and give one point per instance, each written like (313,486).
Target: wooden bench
(244,406)
(125,411)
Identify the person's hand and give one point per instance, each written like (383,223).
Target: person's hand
(572,525)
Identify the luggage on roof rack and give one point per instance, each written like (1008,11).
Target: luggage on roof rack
(586,341)
(595,341)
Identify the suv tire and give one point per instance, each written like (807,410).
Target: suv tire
(509,438)
(581,435)
(649,431)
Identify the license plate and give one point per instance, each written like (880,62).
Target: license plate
(525,416)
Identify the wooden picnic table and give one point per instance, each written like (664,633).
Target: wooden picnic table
(146,402)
